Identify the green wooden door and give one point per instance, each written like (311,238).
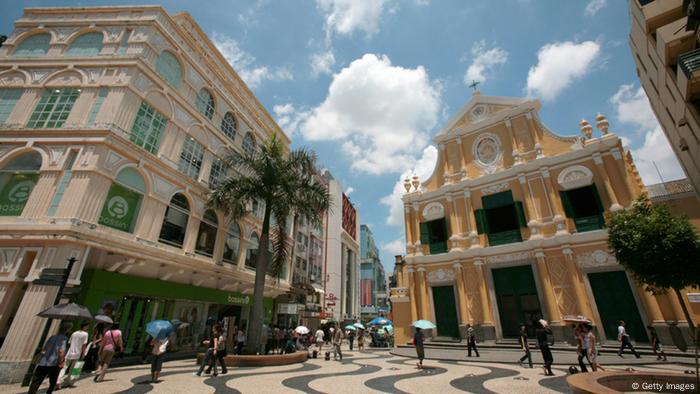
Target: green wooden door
(615,302)
(516,296)
(445,311)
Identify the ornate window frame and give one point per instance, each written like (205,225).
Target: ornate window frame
(489,168)
(574,177)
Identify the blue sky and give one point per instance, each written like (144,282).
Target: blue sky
(367,83)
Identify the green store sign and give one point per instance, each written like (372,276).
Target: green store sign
(16,192)
(120,208)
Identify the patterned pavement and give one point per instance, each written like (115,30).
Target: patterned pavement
(367,372)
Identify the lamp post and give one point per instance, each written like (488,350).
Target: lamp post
(49,277)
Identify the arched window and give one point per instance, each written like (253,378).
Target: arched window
(206,237)
(249,144)
(218,172)
(175,221)
(229,126)
(169,68)
(36,45)
(123,202)
(232,245)
(251,254)
(191,158)
(88,44)
(17,180)
(205,103)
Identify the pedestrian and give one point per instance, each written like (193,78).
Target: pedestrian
(77,344)
(264,335)
(624,339)
(52,359)
(240,340)
(220,352)
(420,350)
(656,344)
(337,341)
(319,340)
(581,347)
(524,346)
(110,344)
(351,338)
(91,358)
(360,340)
(591,347)
(543,333)
(471,341)
(210,355)
(158,349)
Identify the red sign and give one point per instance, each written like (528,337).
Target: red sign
(366,292)
(331,296)
(349,217)
(330,303)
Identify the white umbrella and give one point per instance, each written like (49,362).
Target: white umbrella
(103,319)
(359,325)
(301,330)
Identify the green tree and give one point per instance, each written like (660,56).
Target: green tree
(285,182)
(659,249)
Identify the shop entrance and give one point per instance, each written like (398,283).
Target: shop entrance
(615,302)
(445,311)
(516,296)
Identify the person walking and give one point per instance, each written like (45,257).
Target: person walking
(76,350)
(581,347)
(543,333)
(420,350)
(52,360)
(360,340)
(220,353)
(656,344)
(210,355)
(93,348)
(318,337)
(240,340)
(110,344)
(351,338)
(522,339)
(471,341)
(337,341)
(624,339)
(591,348)
(158,349)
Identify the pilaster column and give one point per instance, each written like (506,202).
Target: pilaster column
(533,129)
(676,307)
(408,228)
(651,305)
(205,170)
(451,215)
(471,220)
(513,143)
(622,169)
(416,230)
(459,281)
(425,296)
(598,160)
(584,306)
(558,215)
(462,159)
(486,311)
(412,294)
(550,300)
(190,241)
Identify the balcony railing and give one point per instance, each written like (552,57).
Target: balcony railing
(689,62)
(589,223)
(505,237)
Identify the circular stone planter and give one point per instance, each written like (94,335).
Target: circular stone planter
(623,382)
(261,361)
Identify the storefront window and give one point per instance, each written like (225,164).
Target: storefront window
(175,221)
(252,252)
(232,244)
(17,180)
(206,238)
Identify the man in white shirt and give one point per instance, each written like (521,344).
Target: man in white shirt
(78,343)
(624,339)
(319,339)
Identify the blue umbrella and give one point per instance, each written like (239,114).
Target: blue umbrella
(423,324)
(159,329)
(379,321)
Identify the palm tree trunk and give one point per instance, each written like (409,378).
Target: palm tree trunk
(257,313)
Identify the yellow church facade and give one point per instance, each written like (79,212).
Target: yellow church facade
(510,228)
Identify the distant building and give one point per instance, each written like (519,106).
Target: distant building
(373,294)
(666,50)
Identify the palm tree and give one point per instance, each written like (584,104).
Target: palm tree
(286,184)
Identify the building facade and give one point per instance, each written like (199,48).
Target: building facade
(510,229)
(665,47)
(113,121)
(373,292)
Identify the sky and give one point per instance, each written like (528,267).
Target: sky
(368,83)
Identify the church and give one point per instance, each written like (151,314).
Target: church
(510,229)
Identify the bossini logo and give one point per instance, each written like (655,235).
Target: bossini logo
(20,192)
(232,299)
(117,207)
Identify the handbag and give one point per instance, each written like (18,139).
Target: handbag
(77,369)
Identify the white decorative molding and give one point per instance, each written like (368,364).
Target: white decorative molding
(574,177)
(13,78)
(478,113)
(162,187)
(441,276)
(434,210)
(112,161)
(142,83)
(495,188)
(597,158)
(616,153)
(597,258)
(8,259)
(487,152)
(507,258)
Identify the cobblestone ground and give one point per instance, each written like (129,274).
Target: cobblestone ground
(367,372)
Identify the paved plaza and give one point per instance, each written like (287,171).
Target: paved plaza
(367,372)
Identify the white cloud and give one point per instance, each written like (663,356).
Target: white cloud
(395,247)
(632,107)
(484,61)
(345,16)
(349,190)
(559,64)
(381,112)
(422,168)
(322,63)
(244,63)
(594,6)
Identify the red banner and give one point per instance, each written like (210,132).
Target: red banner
(366,292)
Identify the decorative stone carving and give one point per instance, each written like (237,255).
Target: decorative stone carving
(39,75)
(8,259)
(574,177)
(507,258)
(93,74)
(478,113)
(112,161)
(597,258)
(68,78)
(441,276)
(62,33)
(495,188)
(487,152)
(162,187)
(434,210)
(13,78)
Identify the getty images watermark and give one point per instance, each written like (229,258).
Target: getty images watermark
(664,387)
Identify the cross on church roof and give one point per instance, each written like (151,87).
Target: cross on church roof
(474,84)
